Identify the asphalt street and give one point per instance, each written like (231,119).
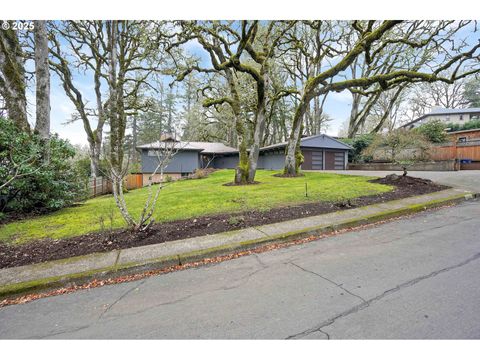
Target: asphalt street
(415,278)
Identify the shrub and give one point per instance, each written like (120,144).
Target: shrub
(199,174)
(472,124)
(43,185)
(235,220)
(433,130)
(359,144)
(399,145)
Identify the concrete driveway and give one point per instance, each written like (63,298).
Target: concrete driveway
(466,179)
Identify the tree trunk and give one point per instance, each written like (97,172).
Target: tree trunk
(12,78)
(293,155)
(94,149)
(42,74)
(241,171)
(353,122)
(255,148)
(259,129)
(116,113)
(134,139)
(388,110)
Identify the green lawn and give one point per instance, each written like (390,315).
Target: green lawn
(190,198)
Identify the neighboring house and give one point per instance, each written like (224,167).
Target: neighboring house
(463,136)
(321,152)
(454,116)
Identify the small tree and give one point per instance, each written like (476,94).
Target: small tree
(434,131)
(400,147)
(165,152)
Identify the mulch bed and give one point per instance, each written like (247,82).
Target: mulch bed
(48,249)
(248,183)
(282,175)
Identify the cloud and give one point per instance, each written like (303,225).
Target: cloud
(344,97)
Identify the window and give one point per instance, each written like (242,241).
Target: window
(462,139)
(461,117)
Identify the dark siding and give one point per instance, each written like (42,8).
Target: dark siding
(225,162)
(182,162)
(272,160)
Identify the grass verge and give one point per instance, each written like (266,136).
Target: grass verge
(191,198)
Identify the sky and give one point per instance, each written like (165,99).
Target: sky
(337,104)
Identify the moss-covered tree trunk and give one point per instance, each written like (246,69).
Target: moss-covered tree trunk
(260,117)
(293,154)
(42,75)
(117,115)
(241,171)
(12,78)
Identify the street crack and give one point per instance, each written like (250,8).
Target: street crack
(330,281)
(390,291)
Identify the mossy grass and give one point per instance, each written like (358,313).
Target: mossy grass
(192,198)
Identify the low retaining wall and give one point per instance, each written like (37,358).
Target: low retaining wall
(447,165)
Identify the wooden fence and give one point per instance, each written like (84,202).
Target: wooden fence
(467,150)
(98,186)
(467,153)
(101,185)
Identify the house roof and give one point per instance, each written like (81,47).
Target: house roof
(463,131)
(213,147)
(320,141)
(442,111)
(202,147)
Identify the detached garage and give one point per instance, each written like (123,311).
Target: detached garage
(320,152)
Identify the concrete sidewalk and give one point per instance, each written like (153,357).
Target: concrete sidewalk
(101,265)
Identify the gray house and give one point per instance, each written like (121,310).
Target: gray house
(453,116)
(321,152)
(191,155)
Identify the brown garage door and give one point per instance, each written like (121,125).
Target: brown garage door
(312,160)
(317,160)
(334,160)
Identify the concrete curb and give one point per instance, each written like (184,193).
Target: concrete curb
(77,270)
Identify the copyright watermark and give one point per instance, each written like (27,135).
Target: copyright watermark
(18,25)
